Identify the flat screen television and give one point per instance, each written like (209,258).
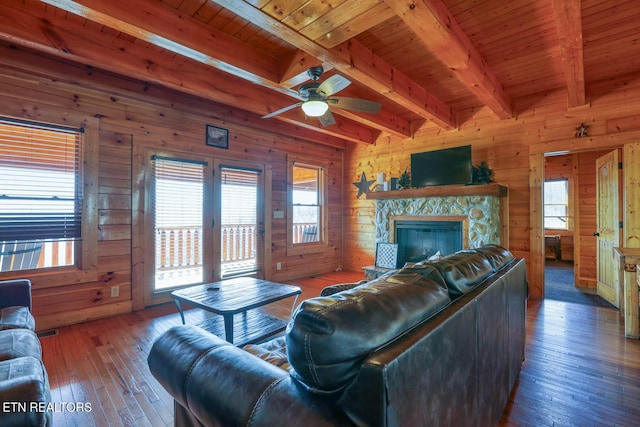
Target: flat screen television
(441,167)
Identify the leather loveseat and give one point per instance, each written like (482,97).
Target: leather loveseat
(24,385)
(436,343)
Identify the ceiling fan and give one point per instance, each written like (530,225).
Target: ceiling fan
(318,96)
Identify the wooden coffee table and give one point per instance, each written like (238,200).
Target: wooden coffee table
(233,299)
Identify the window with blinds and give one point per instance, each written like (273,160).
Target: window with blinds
(178,202)
(306,203)
(239,222)
(556,204)
(40,194)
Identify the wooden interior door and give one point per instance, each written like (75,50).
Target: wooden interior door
(607,221)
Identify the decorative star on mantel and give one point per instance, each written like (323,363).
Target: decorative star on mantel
(363,185)
(582,130)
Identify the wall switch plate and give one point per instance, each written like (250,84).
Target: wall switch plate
(278,266)
(115,291)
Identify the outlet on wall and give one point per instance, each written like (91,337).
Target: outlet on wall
(278,266)
(115,291)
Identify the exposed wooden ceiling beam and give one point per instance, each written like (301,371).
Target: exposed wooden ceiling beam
(392,84)
(86,80)
(65,38)
(434,24)
(356,60)
(337,25)
(164,27)
(293,69)
(568,15)
(369,18)
(167,28)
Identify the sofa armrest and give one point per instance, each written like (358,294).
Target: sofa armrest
(15,292)
(221,384)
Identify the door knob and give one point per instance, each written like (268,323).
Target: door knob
(596,234)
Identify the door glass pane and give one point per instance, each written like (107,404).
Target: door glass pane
(239,222)
(178,214)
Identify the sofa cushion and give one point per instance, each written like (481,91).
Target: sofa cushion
(496,255)
(24,379)
(16,317)
(19,343)
(329,337)
(462,271)
(273,351)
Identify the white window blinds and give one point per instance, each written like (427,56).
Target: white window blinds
(239,224)
(40,182)
(178,205)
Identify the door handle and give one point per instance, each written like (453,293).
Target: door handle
(596,234)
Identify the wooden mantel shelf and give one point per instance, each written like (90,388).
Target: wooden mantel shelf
(442,191)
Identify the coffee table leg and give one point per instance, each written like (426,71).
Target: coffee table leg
(228,327)
(294,303)
(179,309)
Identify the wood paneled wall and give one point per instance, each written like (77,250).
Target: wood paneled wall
(133,114)
(513,148)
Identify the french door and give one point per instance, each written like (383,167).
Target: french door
(177,204)
(239,219)
(206,221)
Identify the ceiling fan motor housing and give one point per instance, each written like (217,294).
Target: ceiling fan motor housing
(308,91)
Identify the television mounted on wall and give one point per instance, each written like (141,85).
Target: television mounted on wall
(448,166)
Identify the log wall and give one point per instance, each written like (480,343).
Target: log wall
(133,115)
(514,149)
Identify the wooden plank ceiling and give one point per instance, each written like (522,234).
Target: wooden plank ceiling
(425,61)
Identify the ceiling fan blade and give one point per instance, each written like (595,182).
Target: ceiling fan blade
(327,119)
(333,84)
(282,110)
(355,104)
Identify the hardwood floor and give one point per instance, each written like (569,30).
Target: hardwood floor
(579,368)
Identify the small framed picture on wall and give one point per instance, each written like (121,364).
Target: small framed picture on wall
(217,137)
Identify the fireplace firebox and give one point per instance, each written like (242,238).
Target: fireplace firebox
(418,240)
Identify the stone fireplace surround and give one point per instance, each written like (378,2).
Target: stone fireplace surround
(481,209)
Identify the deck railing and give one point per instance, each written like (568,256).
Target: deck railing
(304,232)
(180,247)
(16,255)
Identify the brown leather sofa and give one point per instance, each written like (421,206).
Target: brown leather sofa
(24,385)
(437,343)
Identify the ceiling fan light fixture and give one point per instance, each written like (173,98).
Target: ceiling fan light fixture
(315,108)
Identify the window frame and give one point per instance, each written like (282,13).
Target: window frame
(321,244)
(86,259)
(568,216)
